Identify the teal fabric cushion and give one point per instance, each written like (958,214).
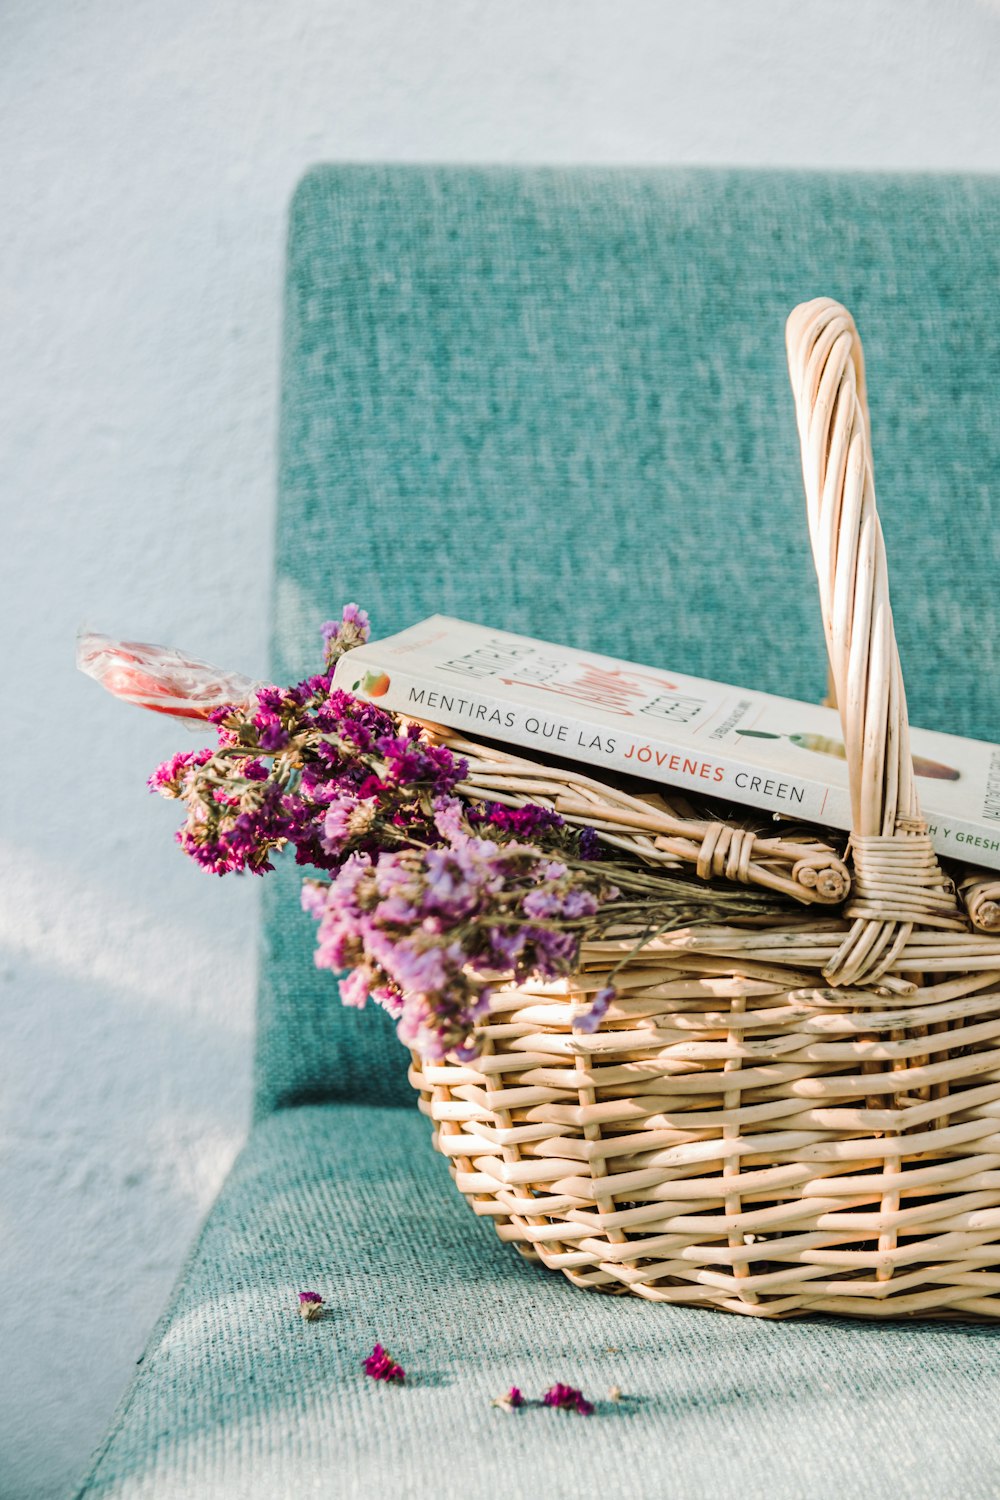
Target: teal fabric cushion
(556,400)
(238,1399)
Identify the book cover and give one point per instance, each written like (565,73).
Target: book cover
(745,746)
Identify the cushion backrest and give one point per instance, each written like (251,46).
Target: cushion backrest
(556,401)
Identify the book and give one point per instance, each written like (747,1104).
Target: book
(706,737)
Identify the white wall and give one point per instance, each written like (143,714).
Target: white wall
(147,154)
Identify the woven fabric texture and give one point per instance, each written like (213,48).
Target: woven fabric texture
(557,401)
(238,1399)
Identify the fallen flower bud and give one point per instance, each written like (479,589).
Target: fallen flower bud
(380,1365)
(310,1306)
(510,1400)
(568,1398)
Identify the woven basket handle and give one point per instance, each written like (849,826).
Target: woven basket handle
(897,880)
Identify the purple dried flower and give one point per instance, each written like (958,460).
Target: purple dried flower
(347,818)
(269,699)
(591,1018)
(590,844)
(579,903)
(271,733)
(431,897)
(409,761)
(557,899)
(353,614)
(449,818)
(568,1398)
(241,829)
(380,1365)
(418,926)
(313,898)
(542,903)
(344,634)
(507,944)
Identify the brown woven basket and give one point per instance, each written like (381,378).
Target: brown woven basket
(771,1119)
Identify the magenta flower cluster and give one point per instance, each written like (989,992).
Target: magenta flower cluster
(380,1365)
(329,753)
(433,897)
(568,1398)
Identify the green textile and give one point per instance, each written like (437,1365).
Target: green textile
(239,1399)
(556,400)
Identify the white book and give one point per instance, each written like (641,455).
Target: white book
(705,737)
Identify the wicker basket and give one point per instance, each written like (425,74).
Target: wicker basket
(771,1119)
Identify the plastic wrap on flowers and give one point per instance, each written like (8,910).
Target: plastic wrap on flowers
(159,678)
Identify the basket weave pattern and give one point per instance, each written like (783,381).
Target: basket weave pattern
(771,1119)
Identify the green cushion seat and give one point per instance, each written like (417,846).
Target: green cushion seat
(238,1397)
(556,400)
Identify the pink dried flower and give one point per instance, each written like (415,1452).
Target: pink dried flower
(310,1305)
(169,779)
(380,1365)
(510,1400)
(568,1398)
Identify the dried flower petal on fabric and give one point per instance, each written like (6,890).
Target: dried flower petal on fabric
(510,1400)
(568,1398)
(310,1306)
(380,1365)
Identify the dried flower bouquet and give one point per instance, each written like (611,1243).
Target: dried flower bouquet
(432,895)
